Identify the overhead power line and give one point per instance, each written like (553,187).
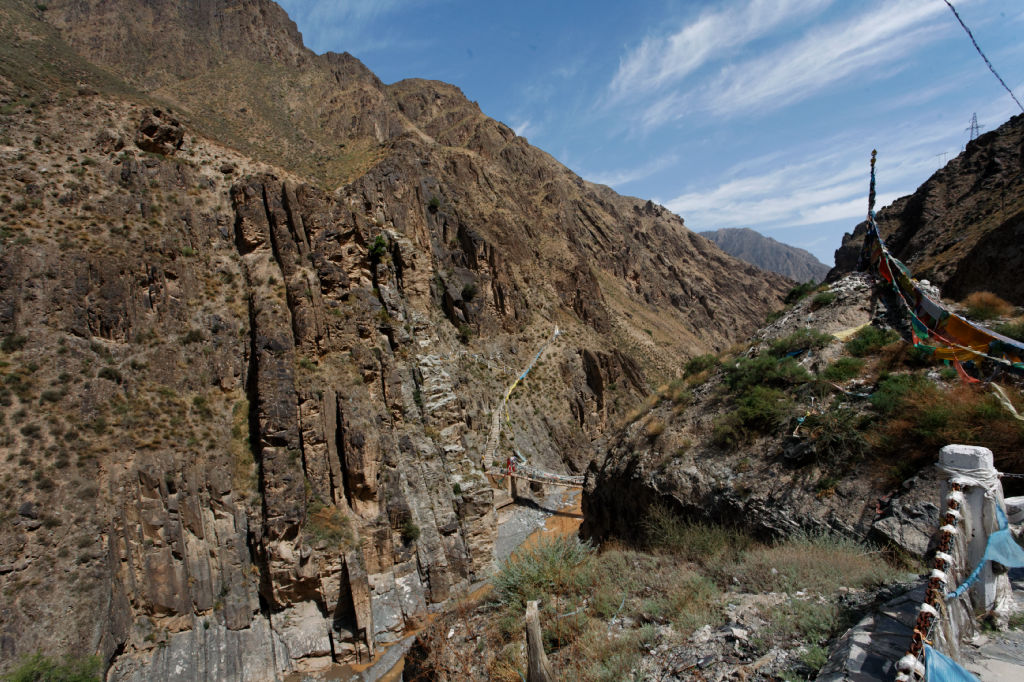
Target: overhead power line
(978,48)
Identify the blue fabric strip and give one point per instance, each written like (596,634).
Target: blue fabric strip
(1001,548)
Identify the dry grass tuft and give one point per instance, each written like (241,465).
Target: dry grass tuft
(813,563)
(984,305)
(653,428)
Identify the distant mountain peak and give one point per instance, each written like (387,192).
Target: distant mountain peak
(768,254)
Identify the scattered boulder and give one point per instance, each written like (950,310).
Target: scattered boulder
(28,510)
(108,140)
(159,132)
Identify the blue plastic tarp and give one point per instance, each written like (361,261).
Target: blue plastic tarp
(939,668)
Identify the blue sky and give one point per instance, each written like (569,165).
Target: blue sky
(732,113)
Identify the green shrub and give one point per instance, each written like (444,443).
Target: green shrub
(889,396)
(800,291)
(800,620)
(709,545)
(843,369)
(378,249)
(51,395)
(727,432)
(410,531)
(815,658)
(192,336)
(763,409)
(870,340)
(823,299)
(802,339)
(837,435)
(1015,329)
(765,370)
(700,363)
(560,565)
(13,343)
(468,292)
(40,668)
(110,374)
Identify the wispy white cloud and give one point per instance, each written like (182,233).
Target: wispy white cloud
(874,43)
(819,188)
(624,176)
(343,24)
(662,60)
(827,54)
(525,128)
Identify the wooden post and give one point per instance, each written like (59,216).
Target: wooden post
(539,669)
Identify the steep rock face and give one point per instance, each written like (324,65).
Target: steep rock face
(255,413)
(961,229)
(766,253)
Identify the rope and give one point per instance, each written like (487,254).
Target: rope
(928,616)
(987,62)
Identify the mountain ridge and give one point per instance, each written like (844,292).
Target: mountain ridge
(769,254)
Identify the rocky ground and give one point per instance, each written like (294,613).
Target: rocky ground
(999,654)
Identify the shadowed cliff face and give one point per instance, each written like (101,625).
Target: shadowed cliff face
(246,414)
(961,229)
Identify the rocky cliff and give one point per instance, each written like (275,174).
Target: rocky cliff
(963,228)
(766,253)
(769,442)
(257,311)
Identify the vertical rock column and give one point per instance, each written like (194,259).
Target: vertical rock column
(271,388)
